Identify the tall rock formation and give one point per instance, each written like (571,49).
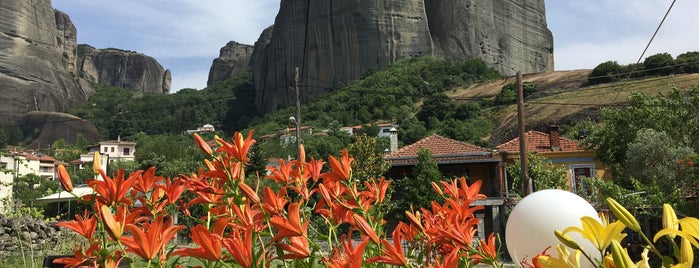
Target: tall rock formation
(344,39)
(37,50)
(509,35)
(121,68)
(40,69)
(233,58)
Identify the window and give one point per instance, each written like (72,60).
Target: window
(127,151)
(112,149)
(578,173)
(105,149)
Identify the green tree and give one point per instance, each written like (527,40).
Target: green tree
(369,161)
(437,105)
(172,155)
(687,62)
(29,187)
(631,134)
(652,160)
(411,130)
(604,73)
(542,173)
(416,191)
(508,93)
(659,64)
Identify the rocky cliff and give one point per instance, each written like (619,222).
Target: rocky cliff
(37,50)
(344,39)
(233,58)
(509,35)
(121,68)
(40,69)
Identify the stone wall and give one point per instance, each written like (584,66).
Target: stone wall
(35,238)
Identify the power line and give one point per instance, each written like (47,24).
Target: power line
(651,38)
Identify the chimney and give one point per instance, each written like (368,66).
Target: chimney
(554,138)
(393,138)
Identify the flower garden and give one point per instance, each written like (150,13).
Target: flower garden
(317,214)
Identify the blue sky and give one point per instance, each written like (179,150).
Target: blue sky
(186,35)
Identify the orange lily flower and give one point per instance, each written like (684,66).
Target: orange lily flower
(335,211)
(449,260)
(348,256)
(298,247)
(202,144)
(239,149)
(488,252)
(80,258)
(274,203)
(462,190)
(210,242)
(111,191)
(151,239)
(289,227)
(64,178)
(281,174)
(239,245)
(391,254)
(314,168)
(341,170)
(377,191)
(365,228)
(145,181)
(84,225)
(174,189)
(249,217)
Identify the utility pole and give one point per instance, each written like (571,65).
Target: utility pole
(297,86)
(526,182)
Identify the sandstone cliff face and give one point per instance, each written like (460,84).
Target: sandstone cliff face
(120,68)
(348,38)
(43,128)
(509,35)
(35,56)
(233,58)
(345,39)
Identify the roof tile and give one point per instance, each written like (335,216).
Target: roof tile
(539,142)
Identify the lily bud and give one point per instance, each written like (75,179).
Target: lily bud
(623,215)
(64,178)
(566,240)
(96,163)
(202,144)
(670,219)
(620,256)
(302,154)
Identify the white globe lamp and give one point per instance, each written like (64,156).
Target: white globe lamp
(532,222)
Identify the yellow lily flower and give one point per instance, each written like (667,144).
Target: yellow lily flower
(670,219)
(686,252)
(689,229)
(565,259)
(643,263)
(599,234)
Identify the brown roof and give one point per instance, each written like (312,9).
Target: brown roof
(443,150)
(539,142)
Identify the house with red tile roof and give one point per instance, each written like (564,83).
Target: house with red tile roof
(458,159)
(454,159)
(563,152)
